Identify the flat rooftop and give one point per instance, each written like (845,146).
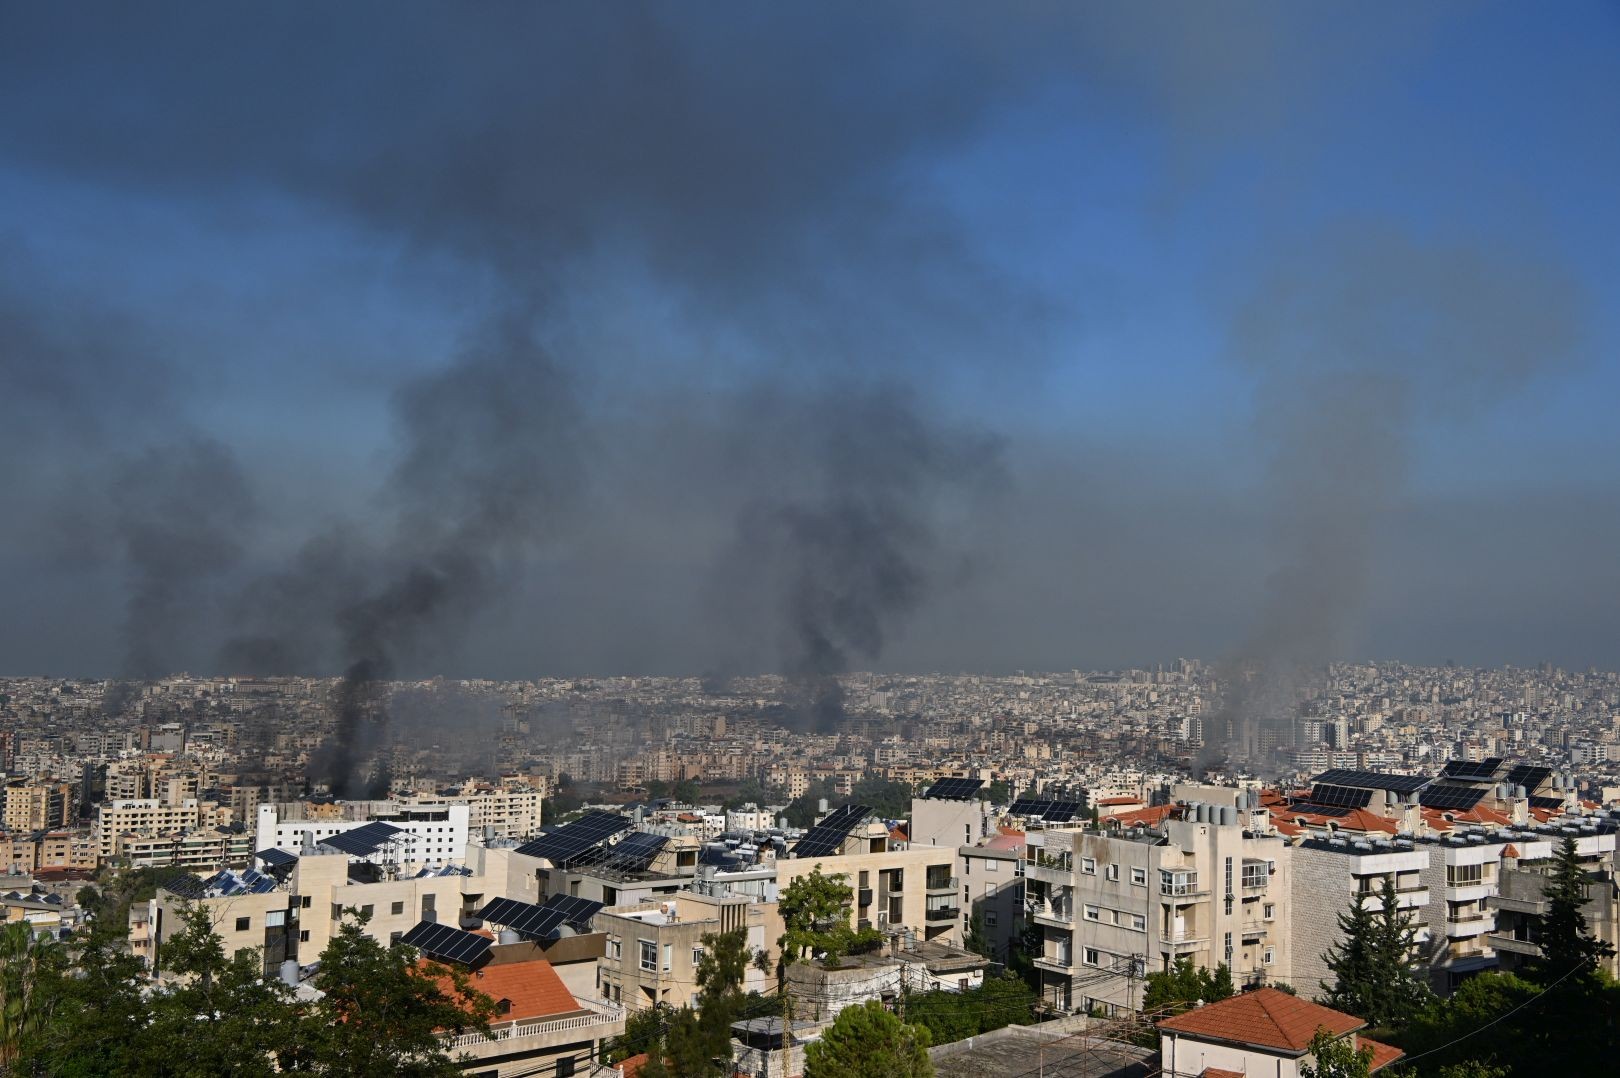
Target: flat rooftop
(1017,1051)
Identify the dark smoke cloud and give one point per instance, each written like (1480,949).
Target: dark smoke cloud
(1360,344)
(490,466)
(182,514)
(847,530)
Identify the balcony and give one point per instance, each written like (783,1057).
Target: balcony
(1182,885)
(942,913)
(1469,892)
(1054,873)
(1406,898)
(601,1020)
(1048,913)
(1473,924)
(1060,964)
(1511,945)
(863,896)
(942,884)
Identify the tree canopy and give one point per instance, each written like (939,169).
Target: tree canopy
(866,1041)
(1372,966)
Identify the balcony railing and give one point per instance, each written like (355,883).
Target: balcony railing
(601,1014)
(943,913)
(942,883)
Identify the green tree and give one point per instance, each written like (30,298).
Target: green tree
(889,799)
(805,809)
(1336,1057)
(1566,943)
(952,1016)
(23,961)
(1372,967)
(1184,985)
(643,1032)
(975,939)
(815,911)
(867,1041)
(88,1001)
(383,1013)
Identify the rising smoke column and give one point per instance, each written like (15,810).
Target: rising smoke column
(848,534)
(490,463)
(1358,343)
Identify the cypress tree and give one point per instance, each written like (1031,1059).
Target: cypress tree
(1566,942)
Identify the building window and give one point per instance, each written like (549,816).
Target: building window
(1269,956)
(992,865)
(697,955)
(397,908)
(1138,922)
(990,918)
(337,911)
(303,902)
(367,910)
(1229,950)
(1092,957)
(1088,865)
(1112,873)
(1464,875)
(1093,913)
(303,937)
(275,918)
(649,955)
(669,957)
(615,948)
(1139,876)
(1270,911)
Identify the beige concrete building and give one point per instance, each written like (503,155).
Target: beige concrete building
(652,949)
(1115,905)
(914,888)
(150,816)
(31,806)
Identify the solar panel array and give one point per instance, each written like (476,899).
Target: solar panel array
(1347,796)
(274,858)
(1451,798)
(446,943)
(1371,780)
(577,912)
(828,836)
(365,840)
(1528,775)
(524,918)
(954,789)
(1469,769)
(573,839)
(633,853)
(1050,811)
(1546,802)
(1310,809)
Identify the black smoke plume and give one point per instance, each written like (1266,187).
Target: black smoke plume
(854,532)
(1359,343)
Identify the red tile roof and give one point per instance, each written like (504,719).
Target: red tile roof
(1120,801)
(1219,1072)
(533,987)
(1383,1054)
(1149,816)
(1266,1018)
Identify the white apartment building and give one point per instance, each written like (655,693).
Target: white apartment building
(1327,874)
(437,833)
(1113,906)
(149,817)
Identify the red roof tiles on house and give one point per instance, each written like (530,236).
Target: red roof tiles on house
(1383,1054)
(1265,1018)
(533,989)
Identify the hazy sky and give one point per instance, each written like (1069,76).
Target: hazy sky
(523,339)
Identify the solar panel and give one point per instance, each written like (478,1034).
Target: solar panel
(1547,802)
(1470,769)
(1459,798)
(1310,809)
(1371,780)
(257,883)
(1063,811)
(446,943)
(572,839)
(577,912)
(365,840)
(954,789)
(1348,796)
(524,918)
(635,851)
(828,836)
(1030,806)
(274,858)
(1529,776)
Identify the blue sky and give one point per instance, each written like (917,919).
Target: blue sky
(1055,227)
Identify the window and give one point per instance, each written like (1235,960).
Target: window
(1093,957)
(303,903)
(1112,873)
(565,1067)
(697,955)
(303,937)
(992,865)
(1464,875)
(1138,922)
(990,918)
(1269,956)
(244,923)
(275,918)
(397,908)
(367,910)
(337,911)
(1088,865)
(669,957)
(1139,876)
(1093,913)
(1270,912)
(615,947)
(428,906)
(1229,950)
(649,955)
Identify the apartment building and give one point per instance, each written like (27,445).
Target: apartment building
(1328,873)
(203,851)
(652,949)
(1113,906)
(119,820)
(1520,902)
(915,888)
(433,833)
(512,811)
(38,806)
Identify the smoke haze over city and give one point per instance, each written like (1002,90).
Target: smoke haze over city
(527,340)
